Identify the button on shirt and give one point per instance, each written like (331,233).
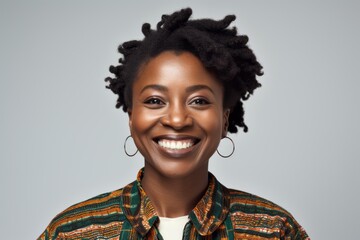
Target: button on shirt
(128,213)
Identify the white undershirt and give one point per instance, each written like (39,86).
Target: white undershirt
(172,228)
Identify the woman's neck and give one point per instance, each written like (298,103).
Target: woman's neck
(174,196)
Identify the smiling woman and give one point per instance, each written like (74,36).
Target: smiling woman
(183,88)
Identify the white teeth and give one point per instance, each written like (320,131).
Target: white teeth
(172,144)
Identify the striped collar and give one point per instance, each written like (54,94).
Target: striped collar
(206,217)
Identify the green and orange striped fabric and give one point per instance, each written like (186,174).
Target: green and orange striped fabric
(129,214)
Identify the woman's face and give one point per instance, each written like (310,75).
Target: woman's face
(177,118)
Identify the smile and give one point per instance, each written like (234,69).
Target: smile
(174,144)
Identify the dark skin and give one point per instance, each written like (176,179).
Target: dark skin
(177,120)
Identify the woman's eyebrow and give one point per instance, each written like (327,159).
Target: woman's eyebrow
(195,88)
(156,87)
(189,89)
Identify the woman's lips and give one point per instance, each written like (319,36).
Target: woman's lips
(176,146)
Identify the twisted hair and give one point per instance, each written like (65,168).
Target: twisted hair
(222,52)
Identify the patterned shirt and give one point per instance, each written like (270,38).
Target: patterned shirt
(128,213)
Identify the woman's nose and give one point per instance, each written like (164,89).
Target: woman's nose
(177,117)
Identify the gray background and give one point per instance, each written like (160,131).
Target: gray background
(61,138)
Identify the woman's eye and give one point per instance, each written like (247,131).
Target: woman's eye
(154,101)
(200,101)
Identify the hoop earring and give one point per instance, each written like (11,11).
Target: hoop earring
(126,152)
(233,149)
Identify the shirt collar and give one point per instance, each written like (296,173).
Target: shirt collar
(207,216)
(212,209)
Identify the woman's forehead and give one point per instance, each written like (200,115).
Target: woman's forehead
(169,66)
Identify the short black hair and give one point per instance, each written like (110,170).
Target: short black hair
(221,50)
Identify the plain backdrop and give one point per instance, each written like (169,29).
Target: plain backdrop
(61,137)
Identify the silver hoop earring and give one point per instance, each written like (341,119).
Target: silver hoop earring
(126,152)
(233,149)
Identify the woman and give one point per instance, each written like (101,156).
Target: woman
(182,87)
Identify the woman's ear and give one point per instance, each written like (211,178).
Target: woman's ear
(225,122)
(130,119)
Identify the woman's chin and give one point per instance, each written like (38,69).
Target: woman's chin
(178,170)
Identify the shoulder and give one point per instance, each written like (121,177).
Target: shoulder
(251,213)
(247,202)
(102,210)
